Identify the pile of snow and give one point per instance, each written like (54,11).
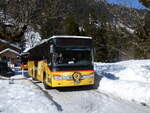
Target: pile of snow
(128,80)
(23,97)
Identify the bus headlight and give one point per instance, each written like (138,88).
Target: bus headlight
(67,77)
(63,77)
(87,76)
(57,78)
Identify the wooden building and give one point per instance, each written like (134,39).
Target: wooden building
(9,52)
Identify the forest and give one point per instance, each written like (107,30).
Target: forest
(119,32)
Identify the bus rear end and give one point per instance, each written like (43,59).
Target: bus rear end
(24,61)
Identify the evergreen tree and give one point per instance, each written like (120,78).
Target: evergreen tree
(70,26)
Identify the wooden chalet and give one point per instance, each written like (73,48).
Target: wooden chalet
(9,52)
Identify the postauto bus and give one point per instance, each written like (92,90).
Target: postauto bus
(63,61)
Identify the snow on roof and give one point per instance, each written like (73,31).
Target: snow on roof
(64,36)
(26,50)
(61,36)
(13,45)
(8,49)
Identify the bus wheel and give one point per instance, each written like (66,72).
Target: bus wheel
(44,82)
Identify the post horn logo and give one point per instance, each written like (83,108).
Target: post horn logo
(76,76)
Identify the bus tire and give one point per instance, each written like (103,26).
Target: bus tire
(44,82)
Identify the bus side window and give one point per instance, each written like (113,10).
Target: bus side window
(49,60)
(51,49)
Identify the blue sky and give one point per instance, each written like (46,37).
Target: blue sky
(129,3)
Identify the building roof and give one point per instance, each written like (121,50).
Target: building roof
(10,50)
(6,42)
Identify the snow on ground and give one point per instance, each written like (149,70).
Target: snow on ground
(128,80)
(23,97)
(20,95)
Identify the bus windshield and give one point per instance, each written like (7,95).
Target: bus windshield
(72,56)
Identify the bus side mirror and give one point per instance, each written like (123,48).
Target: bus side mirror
(51,48)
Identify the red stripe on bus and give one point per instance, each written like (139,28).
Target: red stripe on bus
(72,71)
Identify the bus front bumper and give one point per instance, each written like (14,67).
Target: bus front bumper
(65,81)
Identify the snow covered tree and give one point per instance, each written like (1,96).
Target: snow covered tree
(32,38)
(70,26)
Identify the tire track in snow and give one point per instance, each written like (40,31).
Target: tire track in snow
(58,106)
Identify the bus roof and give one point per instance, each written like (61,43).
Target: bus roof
(63,36)
(58,36)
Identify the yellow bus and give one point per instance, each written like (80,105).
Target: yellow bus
(63,61)
(24,61)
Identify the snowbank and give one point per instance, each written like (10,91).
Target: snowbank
(23,97)
(129,80)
